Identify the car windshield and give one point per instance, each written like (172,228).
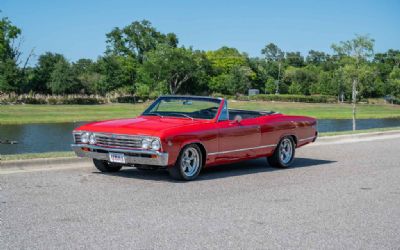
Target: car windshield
(185,107)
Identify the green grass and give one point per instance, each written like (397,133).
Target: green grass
(37,155)
(23,114)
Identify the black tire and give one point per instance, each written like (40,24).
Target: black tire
(276,160)
(179,171)
(105,166)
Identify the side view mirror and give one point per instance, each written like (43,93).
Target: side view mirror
(237,119)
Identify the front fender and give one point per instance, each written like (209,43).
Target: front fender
(178,144)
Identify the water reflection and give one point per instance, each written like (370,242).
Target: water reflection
(37,138)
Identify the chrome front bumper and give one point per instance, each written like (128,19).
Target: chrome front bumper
(144,157)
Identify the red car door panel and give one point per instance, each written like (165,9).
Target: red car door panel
(237,140)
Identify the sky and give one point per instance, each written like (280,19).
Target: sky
(77,28)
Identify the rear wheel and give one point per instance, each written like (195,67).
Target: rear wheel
(188,164)
(105,166)
(284,153)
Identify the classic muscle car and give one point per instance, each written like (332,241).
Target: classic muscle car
(185,134)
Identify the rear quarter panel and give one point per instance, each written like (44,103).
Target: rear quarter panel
(275,127)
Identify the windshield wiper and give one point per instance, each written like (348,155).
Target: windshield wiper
(185,115)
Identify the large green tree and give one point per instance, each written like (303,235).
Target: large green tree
(63,80)
(137,38)
(115,72)
(393,83)
(274,56)
(225,59)
(272,52)
(232,73)
(303,78)
(170,68)
(42,72)
(10,74)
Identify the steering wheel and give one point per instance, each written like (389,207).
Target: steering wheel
(207,112)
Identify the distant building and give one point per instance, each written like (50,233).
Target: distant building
(254,92)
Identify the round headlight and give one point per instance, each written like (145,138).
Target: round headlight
(146,143)
(155,145)
(92,139)
(85,137)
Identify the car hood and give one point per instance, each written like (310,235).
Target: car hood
(142,125)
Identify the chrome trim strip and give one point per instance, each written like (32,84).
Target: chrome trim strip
(308,138)
(242,149)
(122,150)
(160,160)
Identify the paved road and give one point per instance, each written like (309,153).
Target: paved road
(337,196)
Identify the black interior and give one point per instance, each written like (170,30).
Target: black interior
(210,113)
(246,114)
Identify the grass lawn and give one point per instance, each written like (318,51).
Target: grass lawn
(22,114)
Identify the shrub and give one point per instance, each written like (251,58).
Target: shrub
(51,99)
(124,99)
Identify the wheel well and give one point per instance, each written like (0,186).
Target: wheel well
(294,139)
(203,152)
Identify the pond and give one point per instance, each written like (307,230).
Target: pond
(39,138)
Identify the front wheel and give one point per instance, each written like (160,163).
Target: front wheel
(284,153)
(188,164)
(105,166)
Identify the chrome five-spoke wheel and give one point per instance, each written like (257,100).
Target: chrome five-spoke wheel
(189,163)
(286,150)
(284,153)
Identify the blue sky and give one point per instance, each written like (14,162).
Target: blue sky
(77,28)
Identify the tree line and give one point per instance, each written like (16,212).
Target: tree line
(142,61)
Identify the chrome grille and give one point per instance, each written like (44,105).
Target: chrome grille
(77,138)
(123,141)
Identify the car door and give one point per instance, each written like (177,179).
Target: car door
(237,139)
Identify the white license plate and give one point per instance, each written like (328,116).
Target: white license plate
(118,158)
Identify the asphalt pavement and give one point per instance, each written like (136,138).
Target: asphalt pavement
(336,196)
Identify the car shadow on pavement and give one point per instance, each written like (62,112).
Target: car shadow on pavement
(221,171)
(254,167)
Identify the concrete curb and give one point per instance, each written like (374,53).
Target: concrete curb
(43,162)
(55,162)
(335,138)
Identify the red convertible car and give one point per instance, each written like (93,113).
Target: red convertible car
(185,134)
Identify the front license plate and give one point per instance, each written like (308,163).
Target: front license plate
(118,158)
